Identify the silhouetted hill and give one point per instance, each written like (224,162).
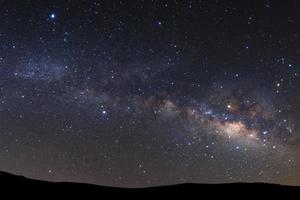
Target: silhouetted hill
(22,185)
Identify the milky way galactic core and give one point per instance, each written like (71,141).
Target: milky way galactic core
(147,93)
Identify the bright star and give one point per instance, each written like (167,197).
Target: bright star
(52,16)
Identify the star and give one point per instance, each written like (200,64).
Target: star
(52,16)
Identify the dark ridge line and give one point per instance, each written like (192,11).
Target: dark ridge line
(10,181)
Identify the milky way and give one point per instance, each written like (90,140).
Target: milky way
(147,93)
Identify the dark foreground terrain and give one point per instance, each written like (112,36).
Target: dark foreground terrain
(21,186)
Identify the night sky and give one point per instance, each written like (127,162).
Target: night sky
(147,93)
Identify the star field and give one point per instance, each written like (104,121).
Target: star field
(147,93)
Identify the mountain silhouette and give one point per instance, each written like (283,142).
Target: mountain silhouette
(10,182)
